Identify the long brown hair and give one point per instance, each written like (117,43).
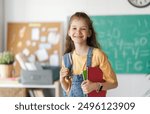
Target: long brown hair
(91,41)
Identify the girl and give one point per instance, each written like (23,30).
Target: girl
(81,43)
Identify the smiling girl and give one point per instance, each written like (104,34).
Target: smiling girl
(80,43)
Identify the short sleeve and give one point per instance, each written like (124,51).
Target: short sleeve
(104,64)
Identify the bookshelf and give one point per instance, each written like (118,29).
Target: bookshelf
(13,83)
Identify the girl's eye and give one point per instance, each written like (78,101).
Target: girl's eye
(74,28)
(83,29)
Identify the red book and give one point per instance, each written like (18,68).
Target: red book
(96,75)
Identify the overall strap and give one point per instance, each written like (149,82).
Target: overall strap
(89,57)
(68,64)
(68,61)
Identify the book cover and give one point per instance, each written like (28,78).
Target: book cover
(96,75)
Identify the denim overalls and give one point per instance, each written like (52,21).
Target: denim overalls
(75,90)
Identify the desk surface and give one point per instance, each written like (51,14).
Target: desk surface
(14,83)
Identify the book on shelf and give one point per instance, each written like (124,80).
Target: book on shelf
(38,92)
(31,93)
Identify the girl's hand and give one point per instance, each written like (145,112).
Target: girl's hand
(88,86)
(64,72)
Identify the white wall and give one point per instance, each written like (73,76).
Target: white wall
(59,10)
(1,25)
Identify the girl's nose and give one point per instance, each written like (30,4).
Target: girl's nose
(78,31)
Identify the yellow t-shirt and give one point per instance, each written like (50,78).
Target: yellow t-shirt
(99,59)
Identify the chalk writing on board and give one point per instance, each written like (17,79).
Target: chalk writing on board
(126,41)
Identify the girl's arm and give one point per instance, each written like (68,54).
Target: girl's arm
(108,85)
(108,74)
(88,86)
(64,81)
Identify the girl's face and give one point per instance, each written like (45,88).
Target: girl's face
(79,31)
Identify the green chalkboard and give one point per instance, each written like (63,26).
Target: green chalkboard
(126,41)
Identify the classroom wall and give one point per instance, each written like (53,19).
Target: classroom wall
(1,24)
(58,10)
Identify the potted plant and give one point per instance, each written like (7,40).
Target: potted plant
(6,64)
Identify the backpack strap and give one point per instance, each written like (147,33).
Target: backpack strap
(68,61)
(68,64)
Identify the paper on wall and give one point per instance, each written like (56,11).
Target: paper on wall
(43,38)
(54,29)
(42,55)
(35,34)
(26,52)
(53,38)
(45,46)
